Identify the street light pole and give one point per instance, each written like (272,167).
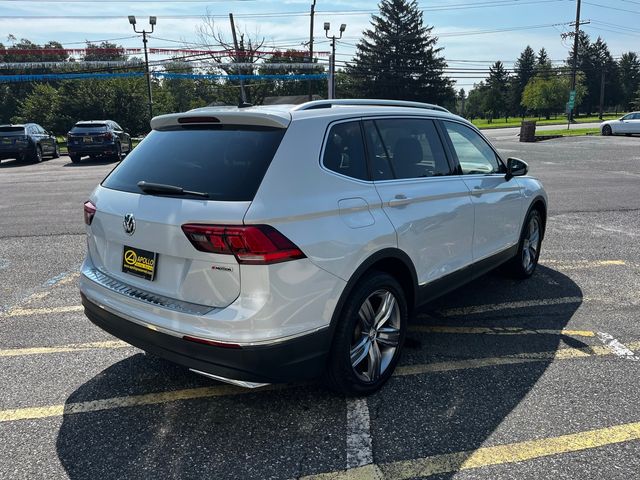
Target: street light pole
(332,61)
(152,22)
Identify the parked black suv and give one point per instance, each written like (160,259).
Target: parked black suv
(27,141)
(98,138)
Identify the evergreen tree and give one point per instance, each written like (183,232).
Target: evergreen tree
(398,58)
(525,69)
(629,69)
(543,64)
(498,88)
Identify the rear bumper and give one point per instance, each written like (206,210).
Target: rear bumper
(15,152)
(99,149)
(296,359)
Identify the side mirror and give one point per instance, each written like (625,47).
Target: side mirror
(516,168)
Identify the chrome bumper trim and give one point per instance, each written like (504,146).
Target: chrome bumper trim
(239,383)
(122,288)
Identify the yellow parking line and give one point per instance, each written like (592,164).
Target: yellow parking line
(25,312)
(486,456)
(224,390)
(573,264)
(74,347)
(122,402)
(499,331)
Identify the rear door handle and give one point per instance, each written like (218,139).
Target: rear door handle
(399,201)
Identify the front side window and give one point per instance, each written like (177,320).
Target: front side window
(475,155)
(344,151)
(405,148)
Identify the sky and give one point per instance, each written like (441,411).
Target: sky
(473,33)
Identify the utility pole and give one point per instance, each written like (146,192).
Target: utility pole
(332,60)
(152,22)
(313,12)
(574,71)
(602,92)
(243,94)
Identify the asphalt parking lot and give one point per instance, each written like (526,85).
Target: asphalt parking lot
(499,380)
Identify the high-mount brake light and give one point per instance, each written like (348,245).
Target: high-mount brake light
(251,244)
(198,120)
(89,212)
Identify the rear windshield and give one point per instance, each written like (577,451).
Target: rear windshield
(89,127)
(227,162)
(11,131)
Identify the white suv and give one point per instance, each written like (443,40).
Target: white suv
(270,244)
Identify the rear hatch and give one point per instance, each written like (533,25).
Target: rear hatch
(11,136)
(89,133)
(222,166)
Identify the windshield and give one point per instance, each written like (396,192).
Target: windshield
(226,162)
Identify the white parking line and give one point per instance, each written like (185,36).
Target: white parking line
(359,447)
(617,347)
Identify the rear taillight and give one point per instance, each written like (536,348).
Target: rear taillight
(251,244)
(108,136)
(89,212)
(22,140)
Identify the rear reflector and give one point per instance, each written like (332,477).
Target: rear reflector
(198,120)
(251,244)
(89,212)
(213,343)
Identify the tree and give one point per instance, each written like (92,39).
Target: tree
(476,101)
(497,90)
(543,63)
(41,106)
(104,52)
(548,93)
(629,71)
(460,102)
(525,69)
(398,57)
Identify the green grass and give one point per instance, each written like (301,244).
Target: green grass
(574,132)
(515,121)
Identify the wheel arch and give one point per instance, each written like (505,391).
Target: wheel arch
(393,261)
(540,204)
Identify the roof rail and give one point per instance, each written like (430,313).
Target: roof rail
(367,102)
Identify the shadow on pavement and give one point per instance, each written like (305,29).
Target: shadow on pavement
(88,162)
(301,429)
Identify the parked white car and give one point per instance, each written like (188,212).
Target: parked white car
(271,244)
(626,125)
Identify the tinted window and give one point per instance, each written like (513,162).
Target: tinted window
(344,152)
(410,148)
(227,162)
(5,131)
(474,153)
(89,127)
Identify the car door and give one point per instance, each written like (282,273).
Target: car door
(625,124)
(634,124)
(498,202)
(45,140)
(429,206)
(122,135)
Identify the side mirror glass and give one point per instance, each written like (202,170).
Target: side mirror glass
(516,168)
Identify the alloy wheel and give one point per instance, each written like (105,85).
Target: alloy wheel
(376,336)
(531,244)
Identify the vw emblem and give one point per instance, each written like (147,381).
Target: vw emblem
(129,223)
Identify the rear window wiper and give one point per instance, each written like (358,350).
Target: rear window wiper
(160,188)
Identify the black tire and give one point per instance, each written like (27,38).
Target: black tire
(351,337)
(75,158)
(37,154)
(606,130)
(118,155)
(56,151)
(524,264)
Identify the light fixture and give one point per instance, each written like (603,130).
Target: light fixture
(327,26)
(132,20)
(343,27)
(152,20)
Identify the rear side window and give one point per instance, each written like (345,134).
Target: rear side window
(406,148)
(344,151)
(6,131)
(227,162)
